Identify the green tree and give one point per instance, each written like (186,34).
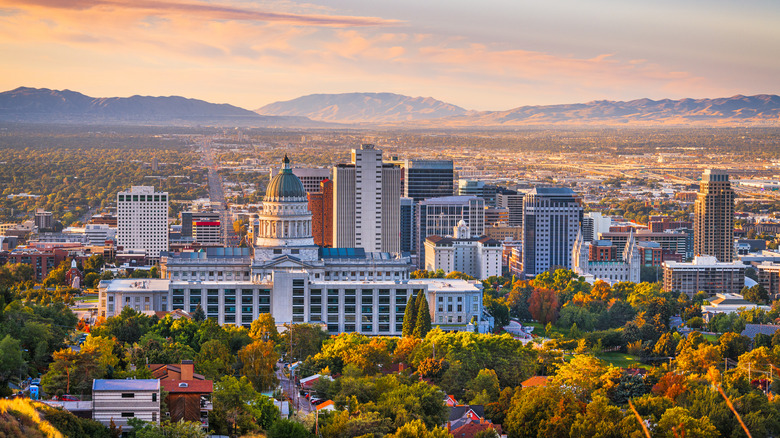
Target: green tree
(755,294)
(484,388)
(410,317)
(91,280)
(199,315)
(288,429)
(540,412)
(677,422)
(181,429)
(423,324)
(232,398)
(94,263)
(600,420)
(303,340)
(10,360)
(214,360)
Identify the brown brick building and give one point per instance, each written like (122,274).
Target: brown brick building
(321,207)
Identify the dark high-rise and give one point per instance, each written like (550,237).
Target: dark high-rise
(551,221)
(713,221)
(424,179)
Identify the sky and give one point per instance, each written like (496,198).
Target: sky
(481,55)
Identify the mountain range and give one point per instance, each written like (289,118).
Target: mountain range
(363,108)
(40,105)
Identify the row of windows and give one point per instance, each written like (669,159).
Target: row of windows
(143,198)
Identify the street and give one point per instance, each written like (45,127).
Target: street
(299,403)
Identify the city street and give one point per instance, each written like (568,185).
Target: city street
(299,403)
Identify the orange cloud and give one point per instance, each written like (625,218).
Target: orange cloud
(204,10)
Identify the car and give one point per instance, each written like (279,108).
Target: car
(68,397)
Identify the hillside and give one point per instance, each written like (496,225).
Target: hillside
(363,108)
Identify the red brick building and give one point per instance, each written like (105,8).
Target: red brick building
(321,207)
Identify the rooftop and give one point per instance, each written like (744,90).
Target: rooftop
(125,385)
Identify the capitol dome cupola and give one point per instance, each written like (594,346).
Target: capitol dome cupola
(285,186)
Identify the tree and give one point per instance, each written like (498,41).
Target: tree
(755,294)
(542,411)
(543,305)
(678,422)
(94,263)
(423,324)
(733,345)
(418,429)
(484,388)
(10,359)
(214,360)
(264,328)
(498,309)
(233,399)
(303,340)
(410,317)
(199,315)
(288,429)
(697,360)
(259,359)
(72,372)
(518,300)
(600,420)
(91,279)
(583,374)
(180,429)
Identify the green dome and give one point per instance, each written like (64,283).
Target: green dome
(285,185)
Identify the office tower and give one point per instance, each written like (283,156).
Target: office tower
(43,219)
(471,187)
(552,218)
(142,220)
(310,176)
(321,207)
(203,226)
(438,216)
(366,202)
(407,224)
(423,179)
(512,201)
(593,224)
(494,216)
(713,222)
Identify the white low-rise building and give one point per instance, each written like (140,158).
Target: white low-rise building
(479,257)
(118,400)
(728,303)
(705,274)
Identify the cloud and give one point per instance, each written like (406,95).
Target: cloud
(208,11)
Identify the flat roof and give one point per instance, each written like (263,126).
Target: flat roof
(125,385)
(137,285)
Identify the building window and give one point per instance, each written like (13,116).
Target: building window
(128,415)
(128,395)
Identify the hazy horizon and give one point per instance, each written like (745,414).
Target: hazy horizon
(492,56)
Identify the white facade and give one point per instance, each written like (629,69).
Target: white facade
(477,257)
(97,234)
(366,202)
(121,399)
(453,303)
(610,271)
(142,220)
(593,224)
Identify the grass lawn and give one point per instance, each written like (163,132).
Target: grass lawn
(711,338)
(539,329)
(87,298)
(622,360)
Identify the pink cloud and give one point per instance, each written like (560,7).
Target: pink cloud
(204,10)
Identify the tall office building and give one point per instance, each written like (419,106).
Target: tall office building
(551,221)
(204,227)
(142,220)
(713,224)
(512,201)
(423,179)
(593,224)
(407,224)
(438,216)
(366,202)
(321,207)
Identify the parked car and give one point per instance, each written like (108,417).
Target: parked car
(315,401)
(68,397)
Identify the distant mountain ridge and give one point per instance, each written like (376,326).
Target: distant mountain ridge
(735,110)
(42,105)
(363,108)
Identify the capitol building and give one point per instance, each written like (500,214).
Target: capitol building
(287,275)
